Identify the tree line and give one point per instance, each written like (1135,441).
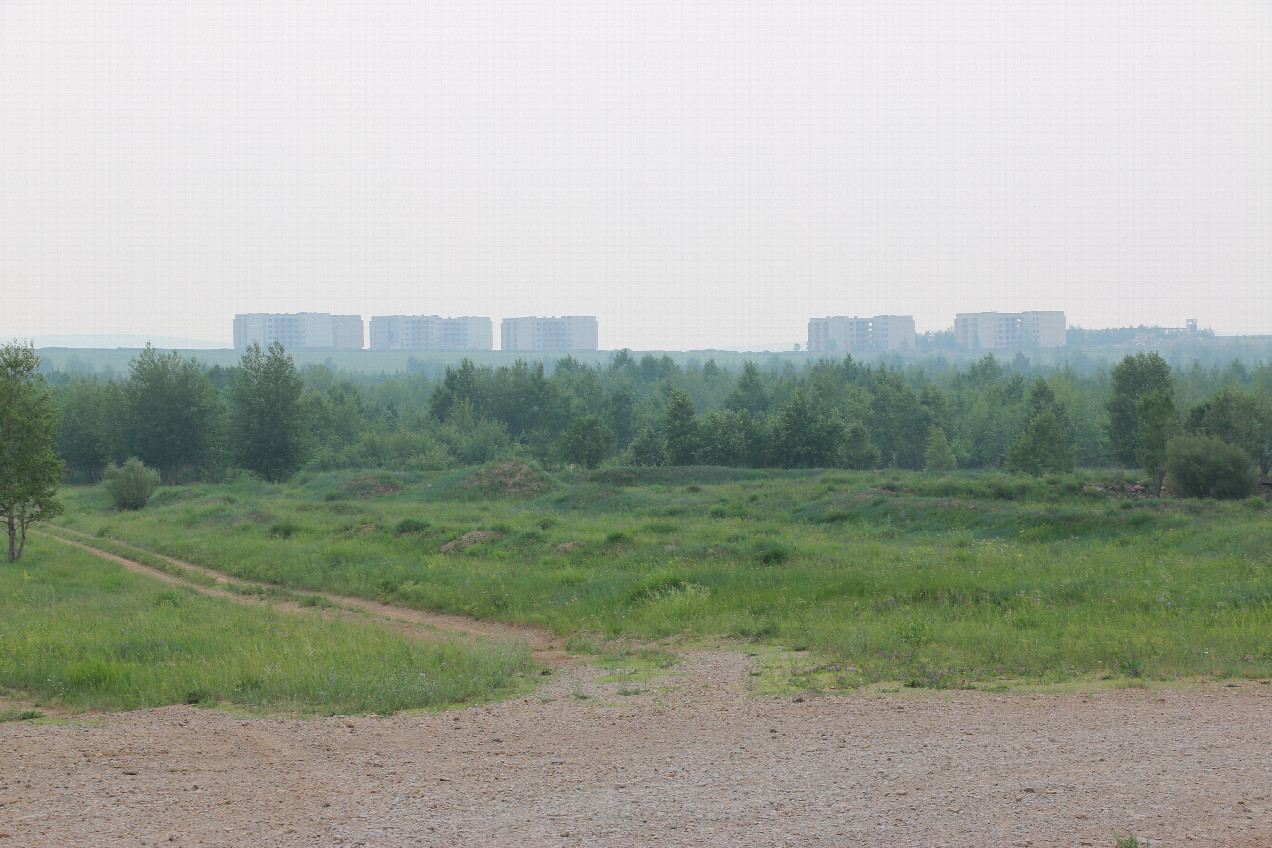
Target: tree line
(266,417)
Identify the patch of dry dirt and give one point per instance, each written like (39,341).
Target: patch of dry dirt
(689,759)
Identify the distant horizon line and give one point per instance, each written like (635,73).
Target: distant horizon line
(138,341)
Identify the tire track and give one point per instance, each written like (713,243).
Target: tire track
(546,647)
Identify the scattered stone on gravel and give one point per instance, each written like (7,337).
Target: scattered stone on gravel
(665,766)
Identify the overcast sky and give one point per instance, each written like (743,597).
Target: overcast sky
(696,174)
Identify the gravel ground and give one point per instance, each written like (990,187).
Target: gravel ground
(693,759)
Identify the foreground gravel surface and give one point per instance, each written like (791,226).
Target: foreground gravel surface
(693,759)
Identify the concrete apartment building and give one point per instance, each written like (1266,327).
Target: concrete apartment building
(1009,330)
(569,332)
(431,332)
(879,334)
(299,330)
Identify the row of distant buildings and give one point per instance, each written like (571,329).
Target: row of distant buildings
(324,331)
(839,334)
(972,330)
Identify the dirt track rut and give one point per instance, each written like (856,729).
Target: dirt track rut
(546,646)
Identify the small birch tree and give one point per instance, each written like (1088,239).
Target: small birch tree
(30,468)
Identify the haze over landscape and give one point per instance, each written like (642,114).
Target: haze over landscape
(294,557)
(696,175)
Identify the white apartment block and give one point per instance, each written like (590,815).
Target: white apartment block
(299,330)
(569,332)
(431,332)
(879,334)
(1009,330)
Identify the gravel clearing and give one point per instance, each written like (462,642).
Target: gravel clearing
(693,759)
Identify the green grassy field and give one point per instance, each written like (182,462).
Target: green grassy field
(885,576)
(82,633)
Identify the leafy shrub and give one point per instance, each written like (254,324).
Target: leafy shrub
(1206,467)
(774,554)
(655,585)
(1044,447)
(587,441)
(410,525)
(648,449)
(130,485)
(283,529)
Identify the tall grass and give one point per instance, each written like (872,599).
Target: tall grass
(899,576)
(85,634)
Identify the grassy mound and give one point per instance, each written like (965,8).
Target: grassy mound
(371,485)
(510,479)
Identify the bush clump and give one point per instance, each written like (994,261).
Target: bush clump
(410,525)
(130,485)
(1206,467)
(283,529)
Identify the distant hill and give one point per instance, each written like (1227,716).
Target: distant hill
(108,341)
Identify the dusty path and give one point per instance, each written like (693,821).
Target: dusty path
(547,647)
(693,759)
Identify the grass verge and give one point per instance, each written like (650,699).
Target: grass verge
(85,634)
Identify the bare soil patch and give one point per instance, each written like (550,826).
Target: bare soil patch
(688,757)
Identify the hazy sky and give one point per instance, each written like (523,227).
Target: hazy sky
(696,174)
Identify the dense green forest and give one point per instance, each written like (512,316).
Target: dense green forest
(266,416)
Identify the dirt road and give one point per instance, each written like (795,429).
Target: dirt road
(694,759)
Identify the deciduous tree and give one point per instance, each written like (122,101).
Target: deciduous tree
(587,441)
(804,437)
(30,468)
(939,457)
(1043,448)
(680,428)
(749,394)
(858,450)
(898,422)
(1158,424)
(1134,377)
(172,413)
(620,414)
(84,437)
(1238,418)
(648,448)
(266,413)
